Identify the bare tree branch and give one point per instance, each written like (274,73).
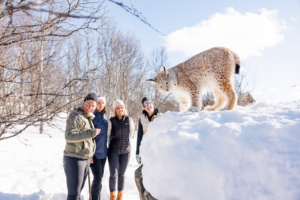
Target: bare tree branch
(32,6)
(135,13)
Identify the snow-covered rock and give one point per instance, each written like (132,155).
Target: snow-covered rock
(250,153)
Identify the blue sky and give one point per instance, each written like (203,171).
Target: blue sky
(264,33)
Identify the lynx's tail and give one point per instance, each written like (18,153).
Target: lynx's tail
(237,62)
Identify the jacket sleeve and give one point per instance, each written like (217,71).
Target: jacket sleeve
(139,137)
(73,133)
(131,127)
(108,132)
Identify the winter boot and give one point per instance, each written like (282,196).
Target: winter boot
(113,196)
(120,195)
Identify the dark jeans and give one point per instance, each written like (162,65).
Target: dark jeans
(117,167)
(97,168)
(76,171)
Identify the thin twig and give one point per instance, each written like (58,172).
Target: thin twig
(32,6)
(135,13)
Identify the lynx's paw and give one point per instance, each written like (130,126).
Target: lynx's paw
(193,109)
(225,108)
(209,108)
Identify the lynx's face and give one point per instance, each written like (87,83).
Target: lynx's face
(165,82)
(165,85)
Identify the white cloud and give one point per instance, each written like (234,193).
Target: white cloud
(247,34)
(294,19)
(296,95)
(258,92)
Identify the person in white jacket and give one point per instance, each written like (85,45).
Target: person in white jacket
(149,114)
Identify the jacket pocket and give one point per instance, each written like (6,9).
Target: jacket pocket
(86,147)
(78,146)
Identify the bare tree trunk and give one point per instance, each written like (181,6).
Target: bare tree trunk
(42,83)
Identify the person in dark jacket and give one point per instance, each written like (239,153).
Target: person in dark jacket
(120,129)
(148,115)
(80,145)
(99,159)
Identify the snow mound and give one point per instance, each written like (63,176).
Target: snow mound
(248,153)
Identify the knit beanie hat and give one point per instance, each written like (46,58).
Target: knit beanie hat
(101,97)
(116,103)
(145,99)
(91,96)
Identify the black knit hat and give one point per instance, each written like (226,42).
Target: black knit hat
(145,99)
(91,96)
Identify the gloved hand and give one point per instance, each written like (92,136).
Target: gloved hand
(138,159)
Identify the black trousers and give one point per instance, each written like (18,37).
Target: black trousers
(97,169)
(76,171)
(117,166)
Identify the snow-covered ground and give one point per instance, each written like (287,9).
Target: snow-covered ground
(32,167)
(249,153)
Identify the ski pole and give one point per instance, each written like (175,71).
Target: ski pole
(89,179)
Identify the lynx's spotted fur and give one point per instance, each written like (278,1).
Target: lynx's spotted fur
(210,70)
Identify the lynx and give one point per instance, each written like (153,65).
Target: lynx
(210,70)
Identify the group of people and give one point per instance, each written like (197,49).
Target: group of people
(91,138)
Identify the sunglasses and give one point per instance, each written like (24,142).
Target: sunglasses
(147,104)
(100,95)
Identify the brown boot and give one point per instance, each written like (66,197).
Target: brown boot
(113,196)
(120,195)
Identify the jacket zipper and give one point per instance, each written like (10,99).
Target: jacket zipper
(121,137)
(90,122)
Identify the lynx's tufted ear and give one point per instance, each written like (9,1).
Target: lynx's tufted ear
(166,72)
(151,80)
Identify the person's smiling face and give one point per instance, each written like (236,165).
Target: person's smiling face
(89,106)
(100,105)
(149,108)
(120,111)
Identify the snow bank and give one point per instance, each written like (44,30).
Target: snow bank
(248,153)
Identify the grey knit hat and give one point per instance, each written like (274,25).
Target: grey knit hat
(91,96)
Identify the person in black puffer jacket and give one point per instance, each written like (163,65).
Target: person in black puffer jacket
(99,159)
(120,128)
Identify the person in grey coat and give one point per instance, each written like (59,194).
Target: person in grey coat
(80,146)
